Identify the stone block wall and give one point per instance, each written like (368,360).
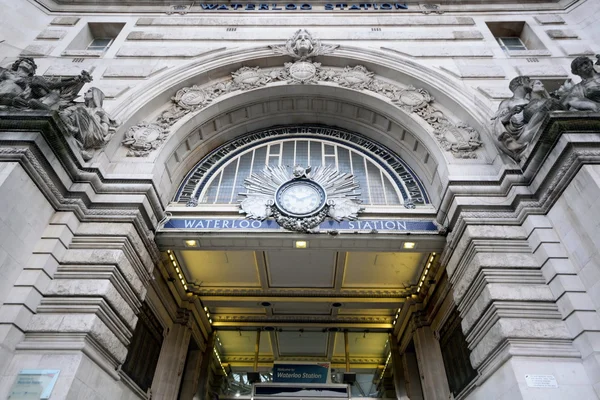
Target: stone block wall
(24,215)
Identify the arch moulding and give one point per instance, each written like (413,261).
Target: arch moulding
(425,117)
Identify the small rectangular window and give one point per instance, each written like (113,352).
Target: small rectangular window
(94,39)
(517,39)
(511,43)
(100,44)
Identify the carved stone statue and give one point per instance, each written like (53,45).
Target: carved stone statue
(585,95)
(508,121)
(520,117)
(21,88)
(90,125)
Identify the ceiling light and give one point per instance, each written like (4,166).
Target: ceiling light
(409,245)
(301,244)
(191,243)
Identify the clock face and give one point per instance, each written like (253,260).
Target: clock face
(300,198)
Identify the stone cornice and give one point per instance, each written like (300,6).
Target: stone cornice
(157,6)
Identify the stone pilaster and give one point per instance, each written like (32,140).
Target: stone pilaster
(205,369)
(397,370)
(78,299)
(191,375)
(509,314)
(412,376)
(431,364)
(172,359)
(567,282)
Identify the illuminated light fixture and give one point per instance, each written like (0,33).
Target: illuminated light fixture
(205,308)
(171,257)
(208,315)
(210,320)
(180,276)
(431,259)
(409,245)
(185,287)
(191,243)
(301,244)
(399,309)
(237,394)
(169,251)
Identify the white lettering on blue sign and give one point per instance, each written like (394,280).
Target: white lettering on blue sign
(351,226)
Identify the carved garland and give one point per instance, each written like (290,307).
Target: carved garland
(459,139)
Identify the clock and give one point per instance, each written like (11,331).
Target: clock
(300,198)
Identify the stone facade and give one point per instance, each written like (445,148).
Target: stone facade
(83,245)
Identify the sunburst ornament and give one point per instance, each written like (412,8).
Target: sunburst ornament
(299,201)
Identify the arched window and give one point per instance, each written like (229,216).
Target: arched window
(384,179)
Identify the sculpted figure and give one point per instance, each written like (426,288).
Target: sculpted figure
(585,95)
(509,121)
(90,125)
(302,45)
(21,88)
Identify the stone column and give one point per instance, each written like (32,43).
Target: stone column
(431,365)
(412,376)
(191,375)
(397,370)
(203,387)
(171,361)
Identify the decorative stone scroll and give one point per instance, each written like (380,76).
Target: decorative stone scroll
(460,140)
(519,118)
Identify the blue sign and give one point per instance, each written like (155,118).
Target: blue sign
(301,373)
(302,7)
(363,225)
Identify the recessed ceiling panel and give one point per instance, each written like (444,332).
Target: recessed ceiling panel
(382,270)
(220,268)
(242,343)
(362,344)
(295,343)
(237,310)
(301,268)
(298,308)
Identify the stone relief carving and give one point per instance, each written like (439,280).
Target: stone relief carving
(460,140)
(263,199)
(303,46)
(519,118)
(143,138)
(90,125)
